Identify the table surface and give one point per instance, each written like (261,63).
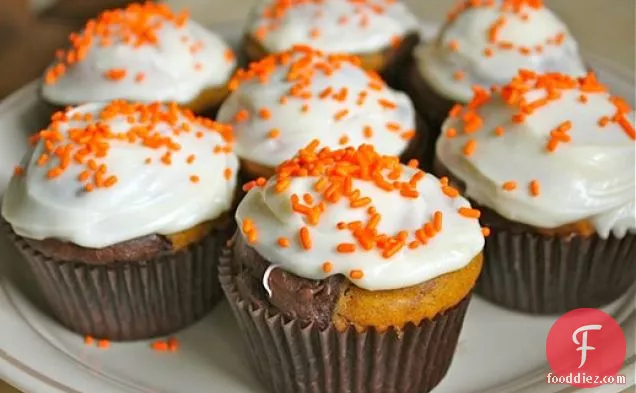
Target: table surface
(23,23)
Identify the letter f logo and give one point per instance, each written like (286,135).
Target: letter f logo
(583,344)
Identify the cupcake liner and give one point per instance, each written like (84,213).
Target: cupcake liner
(541,274)
(131,300)
(290,357)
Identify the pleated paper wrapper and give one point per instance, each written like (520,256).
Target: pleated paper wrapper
(289,357)
(131,300)
(541,274)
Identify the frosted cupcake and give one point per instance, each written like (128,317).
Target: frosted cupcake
(348,266)
(484,44)
(144,53)
(121,211)
(381,32)
(550,159)
(283,102)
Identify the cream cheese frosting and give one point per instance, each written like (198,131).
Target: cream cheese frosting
(141,53)
(344,26)
(485,43)
(101,174)
(283,102)
(382,224)
(547,150)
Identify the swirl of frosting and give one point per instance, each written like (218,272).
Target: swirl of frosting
(354,212)
(140,53)
(283,102)
(485,43)
(101,174)
(546,150)
(344,26)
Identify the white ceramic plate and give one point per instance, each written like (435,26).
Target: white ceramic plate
(499,351)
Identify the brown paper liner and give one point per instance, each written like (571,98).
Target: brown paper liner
(291,358)
(541,274)
(131,300)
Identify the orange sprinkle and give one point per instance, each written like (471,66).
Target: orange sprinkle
(227,173)
(451,133)
(394,249)
(115,74)
(356,274)
(103,344)
(305,238)
(450,191)
(367,131)
(241,115)
(343,140)
(140,77)
(264,113)
(535,189)
(437,221)
(510,186)
(346,247)
(604,121)
(453,45)
(499,131)
(341,114)
(519,118)
(459,75)
(194,179)
(327,267)
(273,133)
(469,147)
(54,172)
(469,213)
(455,110)
(159,345)
(485,231)
(552,145)
(283,242)
(387,104)
(88,340)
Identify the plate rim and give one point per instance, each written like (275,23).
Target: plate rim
(24,378)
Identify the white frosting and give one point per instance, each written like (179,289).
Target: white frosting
(331,25)
(148,198)
(438,63)
(451,249)
(589,178)
(266,275)
(297,128)
(171,69)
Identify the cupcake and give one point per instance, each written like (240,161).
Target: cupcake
(484,44)
(142,53)
(348,266)
(281,103)
(121,210)
(382,32)
(549,159)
